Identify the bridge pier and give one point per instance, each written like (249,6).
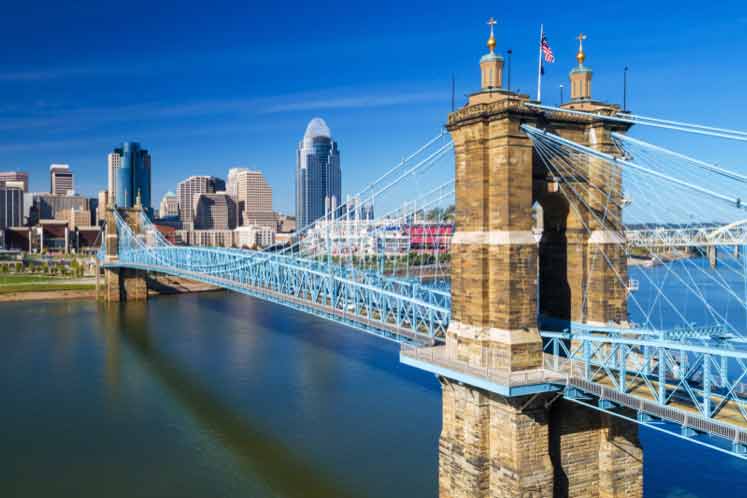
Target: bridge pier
(121,284)
(493,445)
(124,284)
(712,256)
(527,443)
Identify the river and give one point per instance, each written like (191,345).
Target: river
(221,395)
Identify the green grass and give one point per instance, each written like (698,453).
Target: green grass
(27,278)
(34,287)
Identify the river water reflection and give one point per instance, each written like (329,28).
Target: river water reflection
(222,395)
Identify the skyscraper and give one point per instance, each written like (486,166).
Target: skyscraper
(15,176)
(318,174)
(61,180)
(187,190)
(129,176)
(254,199)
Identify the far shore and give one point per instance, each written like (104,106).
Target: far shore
(47,295)
(44,291)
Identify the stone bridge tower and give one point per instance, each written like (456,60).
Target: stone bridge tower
(528,443)
(121,284)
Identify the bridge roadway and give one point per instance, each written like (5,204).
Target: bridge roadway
(567,379)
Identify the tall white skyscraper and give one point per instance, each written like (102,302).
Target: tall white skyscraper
(318,174)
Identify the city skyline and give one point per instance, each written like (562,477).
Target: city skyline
(210,121)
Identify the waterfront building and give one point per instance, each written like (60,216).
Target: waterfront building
(215,212)
(194,186)
(7,177)
(169,207)
(357,238)
(75,217)
(285,223)
(254,198)
(205,238)
(54,236)
(47,205)
(254,236)
(11,207)
(129,171)
(355,209)
(318,174)
(61,180)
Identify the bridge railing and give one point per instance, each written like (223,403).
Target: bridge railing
(698,376)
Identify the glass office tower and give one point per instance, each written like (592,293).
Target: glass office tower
(318,174)
(133,175)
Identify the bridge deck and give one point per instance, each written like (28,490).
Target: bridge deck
(363,321)
(728,423)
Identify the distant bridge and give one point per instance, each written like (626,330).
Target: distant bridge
(730,235)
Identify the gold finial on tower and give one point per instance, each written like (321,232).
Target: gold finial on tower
(137,200)
(491,40)
(580,56)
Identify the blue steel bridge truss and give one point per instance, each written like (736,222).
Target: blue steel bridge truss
(395,309)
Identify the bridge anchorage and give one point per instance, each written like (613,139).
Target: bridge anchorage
(567,309)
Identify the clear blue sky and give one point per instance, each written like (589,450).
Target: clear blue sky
(206,86)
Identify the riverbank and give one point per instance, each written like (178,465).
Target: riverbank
(21,287)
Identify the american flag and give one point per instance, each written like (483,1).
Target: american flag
(546,50)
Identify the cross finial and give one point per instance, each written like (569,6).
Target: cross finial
(580,56)
(491,41)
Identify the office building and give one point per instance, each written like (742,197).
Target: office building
(254,199)
(187,190)
(211,238)
(232,182)
(318,174)
(11,207)
(46,206)
(75,217)
(15,176)
(169,207)
(61,180)
(215,212)
(102,204)
(254,237)
(129,170)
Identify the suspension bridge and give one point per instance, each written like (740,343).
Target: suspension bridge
(517,325)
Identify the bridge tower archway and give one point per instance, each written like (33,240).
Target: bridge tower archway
(529,444)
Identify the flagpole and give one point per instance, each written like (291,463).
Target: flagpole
(539,65)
